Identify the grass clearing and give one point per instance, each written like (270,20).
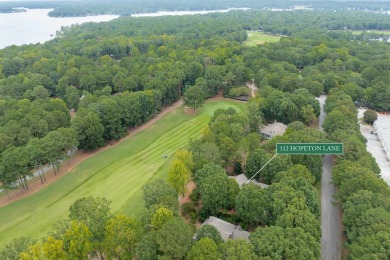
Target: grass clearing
(255,38)
(117,174)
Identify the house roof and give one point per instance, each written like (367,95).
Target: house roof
(273,129)
(240,234)
(226,229)
(242,179)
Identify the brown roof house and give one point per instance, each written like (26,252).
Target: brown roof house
(273,129)
(226,229)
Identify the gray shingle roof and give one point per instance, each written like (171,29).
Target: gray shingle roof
(273,129)
(240,234)
(226,229)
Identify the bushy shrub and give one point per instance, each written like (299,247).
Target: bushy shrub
(193,216)
(370,116)
(195,196)
(239,91)
(237,168)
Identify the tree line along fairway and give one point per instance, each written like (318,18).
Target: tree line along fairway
(117,174)
(255,38)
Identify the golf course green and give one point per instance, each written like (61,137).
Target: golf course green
(255,38)
(117,173)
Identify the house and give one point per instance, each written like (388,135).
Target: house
(226,229)
(242,179)
(273,129)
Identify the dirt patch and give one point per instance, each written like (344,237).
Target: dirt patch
(189,111)
(190,186)
(72,113)
(186,199)
(315,123)
(229,170)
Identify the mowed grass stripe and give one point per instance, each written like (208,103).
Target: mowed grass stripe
(147,152)
(173,134)
(117,173)
(128,175)
(177,135)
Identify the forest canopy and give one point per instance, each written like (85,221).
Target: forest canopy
(122,73)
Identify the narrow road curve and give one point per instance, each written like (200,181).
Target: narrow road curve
(330,218)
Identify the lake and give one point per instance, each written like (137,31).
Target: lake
(35,26)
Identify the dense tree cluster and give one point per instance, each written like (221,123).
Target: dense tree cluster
(33,132)
(25,119)
(122,77)
(122,83)
(108,117)
(89,230)
(290,203)
(181,170)
(202,55)
(359,71)
(364,196)
(284,107)
(370,116)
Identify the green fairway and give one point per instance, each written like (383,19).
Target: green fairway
(255,38)
(117,174)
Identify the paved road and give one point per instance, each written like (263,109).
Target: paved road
(330,220)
